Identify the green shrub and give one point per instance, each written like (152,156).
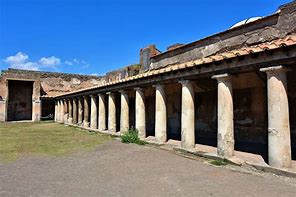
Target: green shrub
(131,136)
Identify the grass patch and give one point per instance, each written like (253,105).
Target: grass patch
(131,136)
(44,138)
(218,163)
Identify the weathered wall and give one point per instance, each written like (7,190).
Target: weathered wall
(267,29)
(20,102)
(291,80)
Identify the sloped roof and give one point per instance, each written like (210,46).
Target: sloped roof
(287,41)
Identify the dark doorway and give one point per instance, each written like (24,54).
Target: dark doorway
(20,100)
(48,109)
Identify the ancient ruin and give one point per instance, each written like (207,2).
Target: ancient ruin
(235,90)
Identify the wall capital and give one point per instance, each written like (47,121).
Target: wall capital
(222,77)
(275,69)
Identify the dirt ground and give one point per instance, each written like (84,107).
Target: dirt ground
(117,169)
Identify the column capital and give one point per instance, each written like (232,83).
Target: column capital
(184,82)
(109,93)
(92,96)
(123,91)
(85,96)
(157,86)
(222,77)
(275,69)
(101,94)
(138,89)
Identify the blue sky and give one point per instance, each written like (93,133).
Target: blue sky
(97,36)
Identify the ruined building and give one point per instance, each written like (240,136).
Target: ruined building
(235,90)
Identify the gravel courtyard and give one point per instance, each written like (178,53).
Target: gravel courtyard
(117,169)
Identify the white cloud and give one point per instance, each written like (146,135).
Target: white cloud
(22,61)
(68,63)
(49,61)
(18,58)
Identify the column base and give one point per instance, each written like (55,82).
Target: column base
(70,120)
(85,124)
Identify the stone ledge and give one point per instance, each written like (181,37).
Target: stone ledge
(236,160)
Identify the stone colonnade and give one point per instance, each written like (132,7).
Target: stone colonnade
(279,145)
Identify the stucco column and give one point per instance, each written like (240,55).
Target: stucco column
(160,114)
(80,111)
(61,112)
(140,113)
(36,110)
(86,112)
(94,112)
(112,112)
(56,111)
(65,115)
(187,115)
(36,102)
(225,116)
(70,107)
(74,111)
(102,112)
(279,142)
(124,112)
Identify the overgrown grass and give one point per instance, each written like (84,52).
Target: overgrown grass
(44,138)
(131,136)
(218,163)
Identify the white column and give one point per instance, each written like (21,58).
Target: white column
(61,111)
(65,111)
(94,112)
(160,114)
(74,111)
(102,112)
(112,112)
(86,112)
(56,111)
(124,112)
(225,116)
(279,142)
(187,116)
(140,113)
(70,111)
(80,111)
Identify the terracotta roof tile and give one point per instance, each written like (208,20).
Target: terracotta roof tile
(287,41)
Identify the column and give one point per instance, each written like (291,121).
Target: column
(61,111)
(94,112)
(65,111)
(225,116)
(140,113)
(112,112)
(80,111)
(56,111)
(86,112)
(279,142)
(102,112)
(124,112)
(36,110)
(160,114)
(187,115)
(74,111)
(70,106)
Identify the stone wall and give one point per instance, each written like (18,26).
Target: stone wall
(269,28)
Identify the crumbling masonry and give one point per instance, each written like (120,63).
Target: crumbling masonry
(235,90)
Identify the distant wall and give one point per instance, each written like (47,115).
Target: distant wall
(267,29)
